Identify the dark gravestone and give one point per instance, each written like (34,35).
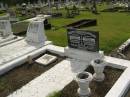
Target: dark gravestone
(83,23)
(83,39)
(47,25)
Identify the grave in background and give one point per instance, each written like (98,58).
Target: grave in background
(83,23)
(34,40)
(6,34)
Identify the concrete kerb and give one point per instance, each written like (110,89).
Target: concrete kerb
(19,61)
(118,88)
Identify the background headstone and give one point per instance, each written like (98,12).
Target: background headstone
(5,28)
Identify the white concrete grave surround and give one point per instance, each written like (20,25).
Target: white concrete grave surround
(40,17)
(6,34)
(43,85)
(16,53)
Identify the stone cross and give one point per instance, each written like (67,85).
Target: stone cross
(5,28)
(36,33)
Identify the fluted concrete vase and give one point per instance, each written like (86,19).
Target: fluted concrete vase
(83,80)
(98,66)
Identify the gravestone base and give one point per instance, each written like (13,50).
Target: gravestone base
(87,56)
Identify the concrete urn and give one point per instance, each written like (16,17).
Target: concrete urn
(98,65)
(83,79)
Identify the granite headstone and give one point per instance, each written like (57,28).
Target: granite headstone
(83,39)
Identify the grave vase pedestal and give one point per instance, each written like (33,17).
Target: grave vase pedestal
(83,79)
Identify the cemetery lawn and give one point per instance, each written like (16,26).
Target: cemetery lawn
(114,29)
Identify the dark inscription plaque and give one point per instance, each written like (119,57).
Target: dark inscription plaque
(83,39)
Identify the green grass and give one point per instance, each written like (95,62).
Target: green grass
(20,27)
(54,94)
(114,29)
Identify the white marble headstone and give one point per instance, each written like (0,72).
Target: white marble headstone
(36,33)
(5,28)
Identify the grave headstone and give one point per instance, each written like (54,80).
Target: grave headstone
(49,5)
(12,16)
(36,33)
(83,39)
(40,3)
(2,6)
(128,5)
(29,5)
(18,6)
(110,5)
(5,28)
(94,7)
(6,6)
(24,6)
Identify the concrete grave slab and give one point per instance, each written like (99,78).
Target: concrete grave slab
(46,59)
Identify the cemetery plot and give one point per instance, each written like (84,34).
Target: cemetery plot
(83,23)
(23,74)
(117,7)
(72,12)
(98,89)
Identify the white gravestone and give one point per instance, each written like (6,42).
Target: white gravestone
(29,5)
(49,5)
(6,6)
(5,28)
(12,16)
(40,3)
(2,6)
(36,33)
